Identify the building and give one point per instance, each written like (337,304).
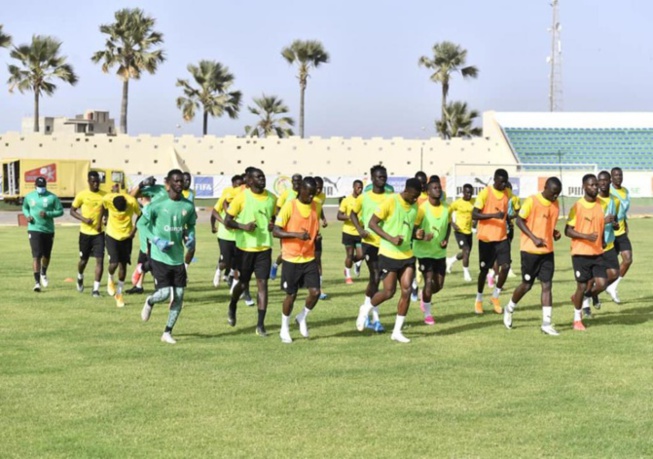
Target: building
(90,123)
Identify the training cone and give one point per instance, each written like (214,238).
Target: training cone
(69,279)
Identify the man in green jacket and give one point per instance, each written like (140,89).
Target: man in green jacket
(40,208)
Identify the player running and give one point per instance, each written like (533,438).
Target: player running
(585,227)
(434,220)
(251,214)
(171,228)
(622,243)
(40,208)
(491,212)
(297,226)
(87,207)
(350,237)
(394,222)
(365,205)
(537,220)
(461,221)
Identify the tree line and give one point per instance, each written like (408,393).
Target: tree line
(133,47)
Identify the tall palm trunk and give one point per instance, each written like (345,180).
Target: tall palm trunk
(445,93)
(123,106)
(36,110)
(205,122)
(302,92)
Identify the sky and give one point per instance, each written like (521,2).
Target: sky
(372,86)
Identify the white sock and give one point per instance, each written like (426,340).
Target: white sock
(452,260)
(139,268)
(479,297)
(96,286)
(375,314)
(415,283)
(232,273)
(466,271)
(285,323)
(577,315)
(496,293)
(347,273)
(121,285)
(613,287)
(399,322)
(320,281)
(186,266)
(546,315)
(302,315)
(359,263)
(366,308)
(111,277)
(368,300)
(427,309)
(491,272)
(80,276)
(511,306)
(139,284)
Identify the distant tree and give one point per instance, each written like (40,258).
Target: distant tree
(39,64)
(447,59)
(130,46)
(5,40)
(458,122)
(306,54)
(267,108)
(211,95)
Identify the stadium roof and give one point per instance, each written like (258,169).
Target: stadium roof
(578,120)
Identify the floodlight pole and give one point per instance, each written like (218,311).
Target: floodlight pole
(555,61)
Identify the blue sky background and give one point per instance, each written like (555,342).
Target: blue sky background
(373,85)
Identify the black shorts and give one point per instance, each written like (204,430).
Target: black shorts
(349,240)
(463,240)
(299,275)
(434,265)
(91,246)
(166,275)
(489,252)
(40,243)
(587,267)
(253,263)
(392,265)
(119,251)
(142,257)
(318,243)
(537,266)
(611,259)
(227,252)
(622,244)
(370,253)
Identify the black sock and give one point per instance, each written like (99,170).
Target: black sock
(44,270)
(233,304)
(261,317)
(168,329)
(37,278)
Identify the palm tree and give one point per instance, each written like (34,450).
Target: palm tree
(266,108)
(447,59)
(458,121)
(40,63)
(212,93)
(5,40)
(130,45)
(306,54)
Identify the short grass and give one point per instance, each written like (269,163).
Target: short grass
(81,378)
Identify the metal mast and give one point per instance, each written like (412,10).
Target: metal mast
(555,61)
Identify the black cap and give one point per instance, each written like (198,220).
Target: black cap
(40,182)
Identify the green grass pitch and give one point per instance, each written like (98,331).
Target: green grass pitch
(81,378)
